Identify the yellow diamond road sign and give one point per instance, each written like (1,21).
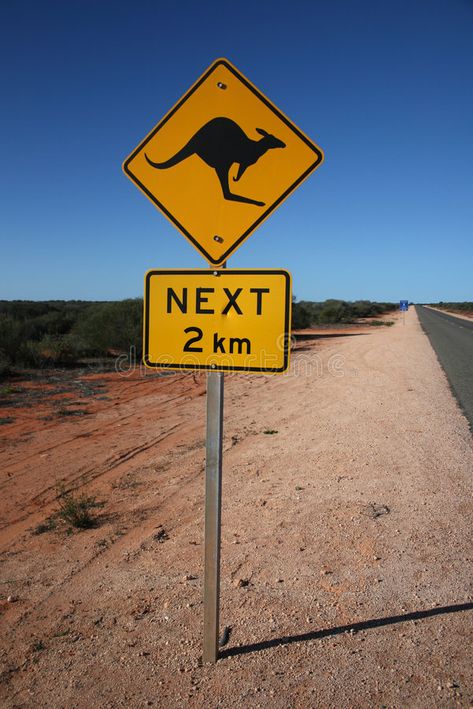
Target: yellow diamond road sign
(224,320)
(221,161)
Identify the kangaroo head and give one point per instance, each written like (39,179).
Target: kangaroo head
(269,140)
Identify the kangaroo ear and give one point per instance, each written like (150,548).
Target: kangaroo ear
(261,131)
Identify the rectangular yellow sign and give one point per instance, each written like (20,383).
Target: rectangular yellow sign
(221,320)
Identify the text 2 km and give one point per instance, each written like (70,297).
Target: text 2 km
(235,345)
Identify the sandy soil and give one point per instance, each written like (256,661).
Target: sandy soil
(346,540)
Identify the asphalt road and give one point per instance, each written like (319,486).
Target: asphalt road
(452,340)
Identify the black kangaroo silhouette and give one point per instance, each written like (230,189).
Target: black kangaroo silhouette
(220,143)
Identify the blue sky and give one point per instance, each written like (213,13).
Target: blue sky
(385,88)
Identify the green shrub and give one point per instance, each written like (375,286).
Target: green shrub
(77,511)
(5,365)
(11,337)
(46,526)
(39,333)
(300,316)
(112,327)
(334,311)
(466,306)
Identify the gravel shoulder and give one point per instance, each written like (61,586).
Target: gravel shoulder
(346,540)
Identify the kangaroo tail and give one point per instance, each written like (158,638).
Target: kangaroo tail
(181,155)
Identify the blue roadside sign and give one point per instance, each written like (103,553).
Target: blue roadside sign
(403,305)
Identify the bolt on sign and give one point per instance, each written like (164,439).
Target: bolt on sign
(225,320)
(221,161)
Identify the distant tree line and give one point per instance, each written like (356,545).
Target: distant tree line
(465,306)
(38,334)
(306,313)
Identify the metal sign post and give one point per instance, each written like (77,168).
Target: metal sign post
(213,498)
(404,307)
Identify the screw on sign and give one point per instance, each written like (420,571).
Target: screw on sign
(221,160)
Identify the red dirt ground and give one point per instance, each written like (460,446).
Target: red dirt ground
(346,537)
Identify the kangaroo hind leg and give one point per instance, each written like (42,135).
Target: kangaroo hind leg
(223,177)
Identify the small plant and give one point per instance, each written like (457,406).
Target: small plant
(46,526)
(270,432)
(6,419)
(38,645)
(381,323)
(62,633)
(76,511)
(161,536)
(72,412)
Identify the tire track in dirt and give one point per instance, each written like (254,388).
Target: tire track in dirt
(100,429)
(140,527)
(45,501)
(91,444)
